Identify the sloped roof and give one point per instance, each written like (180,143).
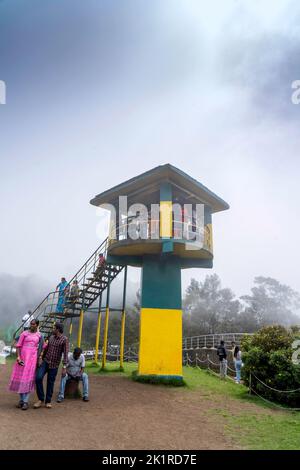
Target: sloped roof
(153,178)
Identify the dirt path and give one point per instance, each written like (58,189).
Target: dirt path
(121,414)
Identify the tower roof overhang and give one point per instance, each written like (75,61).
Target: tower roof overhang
(146,183)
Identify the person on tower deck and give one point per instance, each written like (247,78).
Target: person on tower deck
(51,356)
(222,354)
(75,371)
(62,288)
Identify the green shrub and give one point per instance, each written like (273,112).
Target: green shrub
(158,380)
(268,355)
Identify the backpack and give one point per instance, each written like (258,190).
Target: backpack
(221,352)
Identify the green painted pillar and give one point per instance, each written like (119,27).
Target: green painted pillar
(161,318)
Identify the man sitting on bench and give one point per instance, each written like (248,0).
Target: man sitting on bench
(74,371)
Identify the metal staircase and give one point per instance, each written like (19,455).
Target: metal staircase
(92,281)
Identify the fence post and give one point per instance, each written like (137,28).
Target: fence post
(97,337)
(104,349)
(122,339)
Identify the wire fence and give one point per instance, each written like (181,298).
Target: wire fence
(253,390)
(113,355)
(206,363)
(210,365)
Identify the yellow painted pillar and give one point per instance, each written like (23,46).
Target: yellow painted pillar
(80,329)
(71,328)
(122,339)
(97,338)
(166,219)
(105,338)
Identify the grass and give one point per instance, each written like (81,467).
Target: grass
(260,427)
(278,431)
(111,367)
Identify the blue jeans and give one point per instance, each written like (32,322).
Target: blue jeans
(238,368)
(41,372)
(24,397)
(85,385)
(223,368)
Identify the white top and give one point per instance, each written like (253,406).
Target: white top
(75,365)
(238,356)
(27,319)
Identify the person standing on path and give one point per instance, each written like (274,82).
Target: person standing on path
(22,379)
(237,358)
(222,354)
(57,347)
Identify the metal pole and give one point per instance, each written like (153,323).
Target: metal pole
(98,331)
(106,323)
(80,328)
(123,321)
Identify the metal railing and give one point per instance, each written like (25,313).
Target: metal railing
(113,354)
(212,340)
(48,305)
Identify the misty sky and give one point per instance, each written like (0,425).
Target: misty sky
(100,91)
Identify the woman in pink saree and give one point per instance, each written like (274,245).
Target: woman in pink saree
(22,379)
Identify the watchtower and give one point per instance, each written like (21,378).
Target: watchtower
(161,221)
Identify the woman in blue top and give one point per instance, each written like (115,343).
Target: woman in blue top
(62,289)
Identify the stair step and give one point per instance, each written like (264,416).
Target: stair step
(96,282)
(55,315)
(88,294)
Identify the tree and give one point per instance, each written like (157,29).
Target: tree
(272,302)
(209,308)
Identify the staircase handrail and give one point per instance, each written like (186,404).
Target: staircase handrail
(103,245)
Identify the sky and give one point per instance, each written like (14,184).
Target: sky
(100,91)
